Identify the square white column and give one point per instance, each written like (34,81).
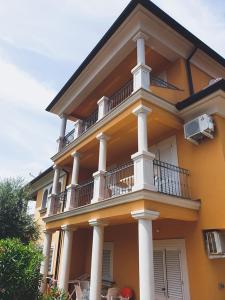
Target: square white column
(99,176)
(71,189)
(45,262)
(145,246)
(141,72)
(143,159)
(66,257)
(62,132)
(102,107)
(96,259)
(52,199)
(78,126)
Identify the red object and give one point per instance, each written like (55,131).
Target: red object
(126,293)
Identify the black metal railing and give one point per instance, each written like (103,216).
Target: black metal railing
(170,179)
(119,96)
(120,180)
(84,193)
(61,201)
(89,121)
(156,81)
(69,137)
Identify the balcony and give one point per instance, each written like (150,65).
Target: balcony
(113,101)
(168,179)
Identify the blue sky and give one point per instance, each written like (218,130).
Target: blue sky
(42,43)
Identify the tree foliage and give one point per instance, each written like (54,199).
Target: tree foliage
(14,220)
(19,270)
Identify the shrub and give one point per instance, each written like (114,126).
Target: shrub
(54,294)
(19,270)
(14,220)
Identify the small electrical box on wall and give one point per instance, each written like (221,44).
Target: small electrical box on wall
(198,128)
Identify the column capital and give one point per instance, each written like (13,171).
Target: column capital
(75,154)
(141,109)
(97,222)
(145,214)
(140,35)
(56,167)
(49,231)
(102,136)
(68,228)
(63,116)
(104,98)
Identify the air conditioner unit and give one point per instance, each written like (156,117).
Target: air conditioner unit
(198,128)
(215,243)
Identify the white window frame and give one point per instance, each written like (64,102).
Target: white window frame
(177,244)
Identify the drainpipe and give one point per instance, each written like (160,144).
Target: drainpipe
(60,237)
(189,75)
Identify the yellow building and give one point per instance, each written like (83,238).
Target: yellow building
(141,200)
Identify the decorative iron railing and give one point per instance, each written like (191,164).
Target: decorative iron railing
(170,179)
(61,201)
(84,193)
(89,121)
(156,81)
(119,96)
(69,137)
(120,180)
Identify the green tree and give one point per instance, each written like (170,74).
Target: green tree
(19,270)
(14,220)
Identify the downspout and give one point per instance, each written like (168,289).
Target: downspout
(189,74)
(60,238)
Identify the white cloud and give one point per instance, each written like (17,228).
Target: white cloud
(28,133)
(201,17)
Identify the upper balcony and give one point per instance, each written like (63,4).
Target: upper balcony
(110,103)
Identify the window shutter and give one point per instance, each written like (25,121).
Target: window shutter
(159,276)
(107,261)
(174,276)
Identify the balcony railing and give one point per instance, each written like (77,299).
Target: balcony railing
(69,137)
(120,180)
(170,179)
(120,95)
(84,193)
(89,121)
(156,81)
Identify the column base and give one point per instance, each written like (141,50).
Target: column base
(51,205)
(141,77)
(99,186)
(143,171)
(70,197)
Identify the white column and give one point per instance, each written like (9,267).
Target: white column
(96,259)
(102,107)
(143,159)
(71,189)
(52,198)
(145,246)
(45,262)
(66,257)
(51,206)
(99,176)
(62,132)
(78,128)
(141,72)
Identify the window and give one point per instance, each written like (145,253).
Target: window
(44,199)
(50,263)
(107,262)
